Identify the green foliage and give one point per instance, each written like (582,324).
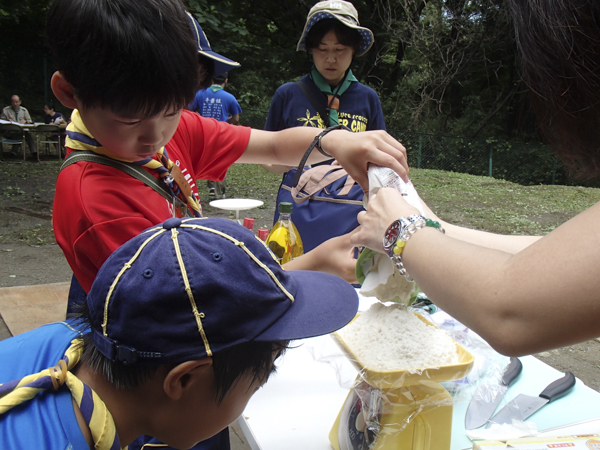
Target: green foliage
(24,63)
(500,206)
(439,66)
(527,164)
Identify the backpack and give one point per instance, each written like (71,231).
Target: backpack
(326,203)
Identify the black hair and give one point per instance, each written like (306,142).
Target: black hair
(560,52)
(345,35)
(250,358)
(137,58)
(49,105)
(206,70)
(220,79)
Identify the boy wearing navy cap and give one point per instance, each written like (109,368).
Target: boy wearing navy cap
(181,327)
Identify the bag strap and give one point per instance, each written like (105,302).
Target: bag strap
(315,179)
(315,101)
(130,169)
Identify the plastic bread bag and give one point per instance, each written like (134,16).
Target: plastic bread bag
(374,271)
(488,364)
(401,360)
(384,177)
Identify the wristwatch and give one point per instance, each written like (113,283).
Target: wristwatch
(401,229)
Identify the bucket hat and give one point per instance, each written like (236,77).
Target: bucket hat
(222,64)
(343,11)
(189,288)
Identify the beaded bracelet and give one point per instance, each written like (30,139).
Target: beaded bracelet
(399,232)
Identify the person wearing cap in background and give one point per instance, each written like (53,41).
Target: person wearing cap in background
(216,103)
(211,63)
(182,325)
(332,36)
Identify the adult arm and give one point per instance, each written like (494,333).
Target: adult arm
(354,151)
(506,243)
(543,296)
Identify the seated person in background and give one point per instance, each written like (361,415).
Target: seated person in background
(179,359)
(18,114)
(53,117)
(216,103)
(56,118)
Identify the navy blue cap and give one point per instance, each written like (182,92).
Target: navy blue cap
(222,64)
(191,287)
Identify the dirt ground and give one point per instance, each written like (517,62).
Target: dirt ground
(29,255)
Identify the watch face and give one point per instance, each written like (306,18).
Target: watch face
(391,235)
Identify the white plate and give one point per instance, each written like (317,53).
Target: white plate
(236,204)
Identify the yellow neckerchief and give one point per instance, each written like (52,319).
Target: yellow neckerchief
(96,414)
(79,138)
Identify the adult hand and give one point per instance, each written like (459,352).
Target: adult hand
(383,208)
(354,152)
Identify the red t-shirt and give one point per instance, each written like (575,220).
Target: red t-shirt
(98,208)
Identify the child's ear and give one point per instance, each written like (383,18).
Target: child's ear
(185,375)
(63,90)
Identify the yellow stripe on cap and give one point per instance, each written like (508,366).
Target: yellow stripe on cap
(188,289)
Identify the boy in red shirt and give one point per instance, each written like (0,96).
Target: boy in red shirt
(128,68)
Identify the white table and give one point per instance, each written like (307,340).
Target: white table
(297,407)
(236,204)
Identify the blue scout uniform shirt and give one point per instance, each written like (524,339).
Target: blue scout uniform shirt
(47,421)
(360,108)
(217,104)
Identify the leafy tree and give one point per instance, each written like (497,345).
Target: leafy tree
(439,66)
(24,64)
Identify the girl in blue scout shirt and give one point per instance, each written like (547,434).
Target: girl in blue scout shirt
(329,95)
(332,36)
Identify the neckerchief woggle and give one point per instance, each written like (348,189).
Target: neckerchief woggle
(333,96)
(96,414)
(79,138)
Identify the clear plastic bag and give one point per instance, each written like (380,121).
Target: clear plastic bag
(391,409)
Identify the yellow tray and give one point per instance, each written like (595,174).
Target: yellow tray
(389,379)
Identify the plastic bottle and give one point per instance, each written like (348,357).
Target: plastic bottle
(284,239)
(249,223)
(263,234)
